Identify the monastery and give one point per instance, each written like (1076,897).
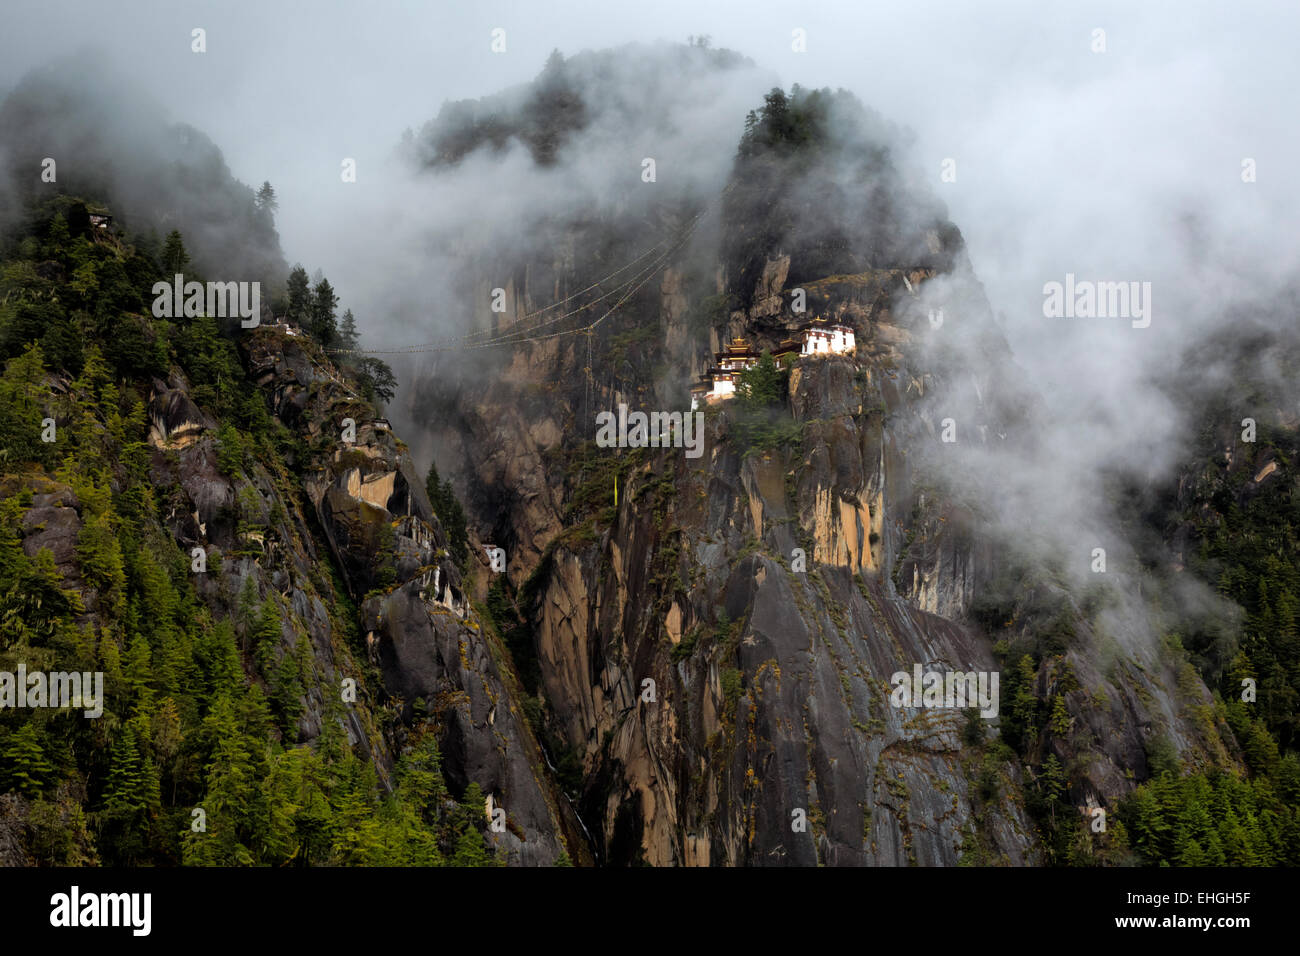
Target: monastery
(818,337)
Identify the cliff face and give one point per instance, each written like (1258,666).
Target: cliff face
(719,686)
(272,530)
(420,633)
(255,532)
(771,684)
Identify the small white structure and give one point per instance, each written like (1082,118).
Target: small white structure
(282,323)
(823,338)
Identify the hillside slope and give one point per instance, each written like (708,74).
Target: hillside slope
(284,639)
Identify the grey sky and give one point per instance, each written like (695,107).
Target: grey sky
(1052,141)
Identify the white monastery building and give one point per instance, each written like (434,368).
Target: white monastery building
(818,337)
(823,338)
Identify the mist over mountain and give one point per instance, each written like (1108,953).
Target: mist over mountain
(429,615)
(110,139)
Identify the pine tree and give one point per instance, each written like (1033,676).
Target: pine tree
(355,837)
(265,199)
(216,654)
(1060,722)
(420,780)
(300,299)
(99,554)
(348,337)
(471,851)
(229,795)
(1192,855)
(447,509)
(284,783)
(267,635)
(1024,705)
(763,385)
(433,488)
(137,664)
(322,325)
(24,767)
(124,791)
(166,734)
(287,690)
(470,847)
(1053,778)
(174,256)
(311,809)
(34,605)
(1146,824)
(20,408)
(455,524)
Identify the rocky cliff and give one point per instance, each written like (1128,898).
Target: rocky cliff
(332,530)
(715,638)
(422,637)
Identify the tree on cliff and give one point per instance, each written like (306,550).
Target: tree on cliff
(299,295)
(376,378)
(348,337)
(763,385)
(174,256)
(761,420)
(449,512)
(553,111)
(266,201)
(321,322)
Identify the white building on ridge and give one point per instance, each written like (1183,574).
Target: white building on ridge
(823,338)
(818,337)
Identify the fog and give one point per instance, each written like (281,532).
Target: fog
(1117,165)
(1067,160)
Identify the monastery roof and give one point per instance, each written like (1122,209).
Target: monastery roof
(738,348)
(821,325)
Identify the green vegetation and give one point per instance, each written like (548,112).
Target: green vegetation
(732,685)
(201,706)
(447,508)
(1217,818)
(594,471)
(516,632)
(686,646)
(762,421)
(313,310)
(1251,554)
(1247,546)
